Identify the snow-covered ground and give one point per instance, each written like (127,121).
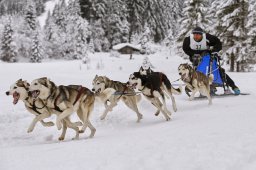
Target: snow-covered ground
(199,137)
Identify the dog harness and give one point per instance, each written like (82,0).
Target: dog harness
(33,106)
(81,89)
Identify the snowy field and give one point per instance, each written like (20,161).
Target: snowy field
(199,137)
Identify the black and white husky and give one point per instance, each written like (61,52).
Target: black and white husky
(154,86)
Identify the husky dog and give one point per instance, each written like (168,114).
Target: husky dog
(166,86)
(195,81)
(19,91)
(65,99)
(105,88)
(152,87)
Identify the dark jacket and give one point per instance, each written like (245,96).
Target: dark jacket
(212,41)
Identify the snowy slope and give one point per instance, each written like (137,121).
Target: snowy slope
(199,137)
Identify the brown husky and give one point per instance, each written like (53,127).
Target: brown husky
(195,81)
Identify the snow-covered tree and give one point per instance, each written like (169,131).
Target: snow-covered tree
(8,47)
(251,27)
(36,50)
(232,19)
(30,15)
(135,9)
(194,14)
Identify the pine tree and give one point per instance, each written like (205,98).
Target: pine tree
(193,15)
(8,48)
(251,26)
(136,10)
(36,51)
(30,15)
(232,21)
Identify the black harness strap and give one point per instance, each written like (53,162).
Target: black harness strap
(55,104)
(80,91)
(125,88)
(33,106)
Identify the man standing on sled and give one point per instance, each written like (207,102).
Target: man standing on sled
(199,43)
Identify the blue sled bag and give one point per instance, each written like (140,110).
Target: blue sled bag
(204,67)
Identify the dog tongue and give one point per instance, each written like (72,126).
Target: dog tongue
(15,97)
(34,94)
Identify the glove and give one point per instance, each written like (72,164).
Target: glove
(216,55)
(195,59)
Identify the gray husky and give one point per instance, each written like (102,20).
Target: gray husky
(105,90)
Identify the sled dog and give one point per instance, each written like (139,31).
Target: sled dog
(165,84)
(152,87)
(195,81)
(105,90)
(19,91)
(66,100)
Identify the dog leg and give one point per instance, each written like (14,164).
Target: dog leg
(192,94)
(174,106)
(63,115)
(64,130)
(207,93)
(164,107)
(38,118)
(87,111)
(132,104)
(72,126)
(92,128)
(47,124)
(157,103)
(110,107)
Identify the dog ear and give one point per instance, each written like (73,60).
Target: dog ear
(106,78)
(26,83)
(96,76)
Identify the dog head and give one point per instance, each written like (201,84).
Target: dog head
(184,71)
(19,90)
(135,80)
(41,88)
(99,83)
(145,70)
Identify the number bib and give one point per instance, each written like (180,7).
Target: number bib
(202,45)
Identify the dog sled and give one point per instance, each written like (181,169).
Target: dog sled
(210,64)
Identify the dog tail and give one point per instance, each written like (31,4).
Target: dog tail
(169,86)
(177,91)
(138,98)
(211,77)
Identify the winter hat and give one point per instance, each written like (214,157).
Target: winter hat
(197,30)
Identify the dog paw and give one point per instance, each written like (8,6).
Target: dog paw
(138,120)
(30,130)
(78,124)
(102,117)
(168,118)
(81,131)
(61,138)
(92,133)
(48,124)
(157,113)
